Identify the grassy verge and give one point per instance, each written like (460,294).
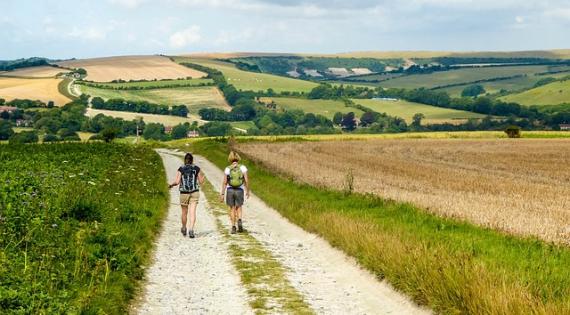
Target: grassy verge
(261,274)
(63,88)
(77,223)
(450,266)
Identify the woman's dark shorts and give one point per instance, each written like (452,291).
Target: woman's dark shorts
(234,197)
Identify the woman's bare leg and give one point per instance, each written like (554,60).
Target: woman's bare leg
(184,215)
(193,206)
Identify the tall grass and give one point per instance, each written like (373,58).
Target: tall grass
(76,223)
(450,266)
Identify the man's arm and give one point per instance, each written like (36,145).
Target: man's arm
(176,181)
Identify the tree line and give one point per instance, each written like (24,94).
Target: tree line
(118,104)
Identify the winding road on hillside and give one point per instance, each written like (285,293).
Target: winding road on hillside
(197,275)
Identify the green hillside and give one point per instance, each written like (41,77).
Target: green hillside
(325,108)
(193,97)
(407,110)
(245,80)
(551,94)
(467,75)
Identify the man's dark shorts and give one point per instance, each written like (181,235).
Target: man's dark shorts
(234,197)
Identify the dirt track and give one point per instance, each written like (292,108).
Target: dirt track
(184,277)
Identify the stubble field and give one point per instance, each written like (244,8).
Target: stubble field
(132,68)
(44,90)
(521,186)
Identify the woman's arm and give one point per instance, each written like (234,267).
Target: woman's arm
(246,182)
(201,177)
(223,191)
(176,181)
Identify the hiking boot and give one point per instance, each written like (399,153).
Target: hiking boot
(191,234)
(240,226)
(233,230)
(183,230)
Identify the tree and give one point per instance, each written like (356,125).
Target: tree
(109,134)
(368,118)
(473,90)
(348,122)
(154,131)
(51,138)
(180,131)
(337,118)
(417,120)
(6,130)
(216,129)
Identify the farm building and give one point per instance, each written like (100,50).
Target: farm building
(565,127)
(193,134)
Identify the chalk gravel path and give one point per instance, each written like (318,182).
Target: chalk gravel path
(196,276)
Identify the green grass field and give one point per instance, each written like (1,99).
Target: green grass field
(194,97)
(78,223)
(243,125)
(407,110)
(551,94)
(326,108)
(460,76)
(153,84)
(244,80)
(167,120)
(450,266)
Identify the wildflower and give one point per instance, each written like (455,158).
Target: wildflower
(72,175)
(91,183)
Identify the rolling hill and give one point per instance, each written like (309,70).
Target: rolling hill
(551,94)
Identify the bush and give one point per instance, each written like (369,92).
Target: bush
(6,130)
(24,137)
(513,131)
(51,138)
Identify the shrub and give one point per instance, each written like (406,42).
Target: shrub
(24,137)
(513,131)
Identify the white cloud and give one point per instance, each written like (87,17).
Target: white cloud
(519,19)
(185,37)
(560,13)
(88,33)
(131,4)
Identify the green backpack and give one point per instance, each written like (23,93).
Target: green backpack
(235,179)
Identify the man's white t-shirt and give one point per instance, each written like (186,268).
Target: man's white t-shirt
(243,170)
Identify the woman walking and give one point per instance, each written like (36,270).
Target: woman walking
(188,179)
(236,180)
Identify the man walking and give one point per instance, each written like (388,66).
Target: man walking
(235,184)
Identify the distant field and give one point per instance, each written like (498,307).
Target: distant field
(515,84)
(407,110)
(326,108)
(193,97)
(44,90)
(243,125)
(166,120)
(551,94)
(132,68)
(459,76)
(158,84)
(244,80)
(557,54)
(35,72)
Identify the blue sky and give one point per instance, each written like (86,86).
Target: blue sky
(65,28)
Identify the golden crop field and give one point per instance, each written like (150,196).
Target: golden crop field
(44,90)
(520,186)
(35,72)
(132,68)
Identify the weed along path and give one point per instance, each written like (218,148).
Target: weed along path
(285,269)
(191,276)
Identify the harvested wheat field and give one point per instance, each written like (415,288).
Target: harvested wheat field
(44,90)
(35,72)
(519,186)
(132,68)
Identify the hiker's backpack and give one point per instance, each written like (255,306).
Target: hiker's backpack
(235,179)
(189,180)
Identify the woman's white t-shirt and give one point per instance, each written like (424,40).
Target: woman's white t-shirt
(243,170)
